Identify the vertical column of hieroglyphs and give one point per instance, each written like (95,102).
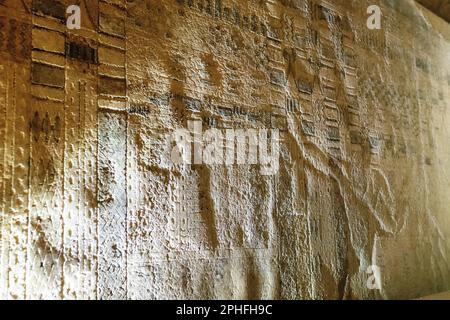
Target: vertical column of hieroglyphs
(15,43)
(47,150)
(327,217)
(112,195)
(400,127)
(434,154)
(421,147)
(303,73)
(149,180)
(276,31)
(289,31)
(276,65)
(324,22)
(424,77)
(237,104)
(163,204)
(371,43)
(313,135)
(394,92)
(256,101)
(348,88)
(349,119)
(80,157)
(342,116)
(421,133)
(235,96)
(340,113)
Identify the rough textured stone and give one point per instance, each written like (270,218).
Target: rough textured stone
(93,207)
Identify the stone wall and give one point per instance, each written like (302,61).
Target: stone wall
(93,207)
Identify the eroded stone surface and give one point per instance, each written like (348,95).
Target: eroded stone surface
(92,206)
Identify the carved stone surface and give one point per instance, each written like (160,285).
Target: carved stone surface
(93,207)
